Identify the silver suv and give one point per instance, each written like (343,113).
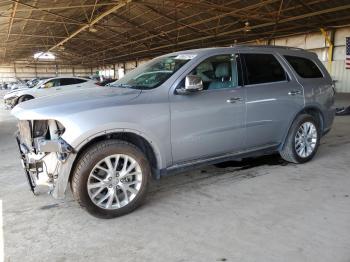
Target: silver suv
(177,111)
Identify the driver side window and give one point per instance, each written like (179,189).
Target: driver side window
(51,83)
(218,72)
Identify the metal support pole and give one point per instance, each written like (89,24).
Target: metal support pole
(330,48)
(114,72)
(35,70)
(14,69)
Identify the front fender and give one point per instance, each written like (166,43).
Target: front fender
(105,130)
(65,168)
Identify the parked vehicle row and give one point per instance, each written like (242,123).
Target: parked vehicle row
(3,86)
(106,82)
(45,87)
(177,111)
(13,85)
(18,84)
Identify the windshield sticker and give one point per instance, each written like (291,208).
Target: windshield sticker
(185,56)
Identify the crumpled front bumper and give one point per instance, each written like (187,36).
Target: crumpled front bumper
(10,103)
(31,179)
(47,165)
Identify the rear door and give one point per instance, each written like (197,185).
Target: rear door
(66,84)
(317,83)
(273,98)
(83,82)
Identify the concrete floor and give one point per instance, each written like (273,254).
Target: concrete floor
(262,210)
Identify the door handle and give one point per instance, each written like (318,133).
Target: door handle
(58,88)
(234,100)
(294,92)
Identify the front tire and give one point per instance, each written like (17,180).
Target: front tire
(111,178)
(302,141)
(24,98)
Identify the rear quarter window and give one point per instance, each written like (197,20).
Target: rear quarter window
(304,67)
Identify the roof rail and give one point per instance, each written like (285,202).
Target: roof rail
(269,46)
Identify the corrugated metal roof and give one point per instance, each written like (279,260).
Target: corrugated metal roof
(145,28)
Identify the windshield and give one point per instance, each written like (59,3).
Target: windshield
(39,83)
(153,73)
(32,82)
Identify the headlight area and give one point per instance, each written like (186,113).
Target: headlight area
(10,102)
(47,138)
(43,151)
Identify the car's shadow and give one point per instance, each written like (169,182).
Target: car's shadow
(231,170)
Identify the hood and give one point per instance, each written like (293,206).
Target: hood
(16,92)
(63,104)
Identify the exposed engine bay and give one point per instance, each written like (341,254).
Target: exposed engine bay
(43,151)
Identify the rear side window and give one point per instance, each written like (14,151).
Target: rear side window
(79,81)
(304,67)
(67,81)
(263,68)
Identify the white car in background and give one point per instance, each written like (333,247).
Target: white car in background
(19,84)
(46,87)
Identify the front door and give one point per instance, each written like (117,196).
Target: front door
(212,121)
(48,88)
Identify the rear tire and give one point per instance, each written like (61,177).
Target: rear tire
(302,141)
(105,164)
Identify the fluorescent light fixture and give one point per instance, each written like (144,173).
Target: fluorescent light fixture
(92,29)
(44,56)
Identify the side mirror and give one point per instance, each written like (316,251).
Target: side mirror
(193,83)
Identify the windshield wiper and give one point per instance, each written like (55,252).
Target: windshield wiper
(121,85)
(129,86)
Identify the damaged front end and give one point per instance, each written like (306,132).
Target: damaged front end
(10,102)
(44,154)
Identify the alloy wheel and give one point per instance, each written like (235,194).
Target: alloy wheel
(114,181)
(306,139)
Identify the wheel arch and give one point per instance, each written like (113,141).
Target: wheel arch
(312,110)
(316,113)
(138,140)
(25,95)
